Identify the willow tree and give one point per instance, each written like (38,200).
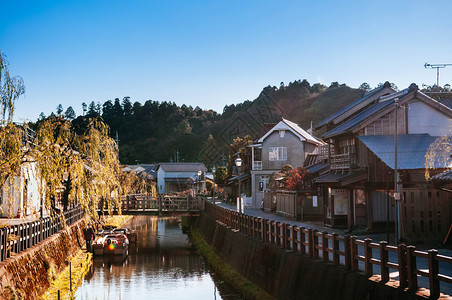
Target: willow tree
(11,136)
(438,155)
(78,168)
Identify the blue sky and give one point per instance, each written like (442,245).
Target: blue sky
(213,53)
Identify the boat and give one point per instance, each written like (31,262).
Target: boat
(111,244)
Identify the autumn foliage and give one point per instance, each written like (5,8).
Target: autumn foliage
(298,179)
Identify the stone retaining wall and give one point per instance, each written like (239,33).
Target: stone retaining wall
(29,272)
(287,275)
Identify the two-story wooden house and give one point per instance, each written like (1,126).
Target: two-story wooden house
(359,188)
(284,143)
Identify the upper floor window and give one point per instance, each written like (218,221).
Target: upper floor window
(347,146)
(277,153)
(282,133)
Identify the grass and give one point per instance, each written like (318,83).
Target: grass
(81,263)
(245,287)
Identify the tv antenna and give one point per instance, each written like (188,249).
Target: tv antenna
(437,67)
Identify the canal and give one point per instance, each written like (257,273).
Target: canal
(163,265)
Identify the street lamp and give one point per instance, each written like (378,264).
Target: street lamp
(238,163)
(199,180)
(213,195)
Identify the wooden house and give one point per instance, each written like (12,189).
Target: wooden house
(179,177)
(359,188)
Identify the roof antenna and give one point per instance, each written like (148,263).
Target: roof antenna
(437,67)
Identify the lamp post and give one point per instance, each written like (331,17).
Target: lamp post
(213,195)
(199,180)
(238,163)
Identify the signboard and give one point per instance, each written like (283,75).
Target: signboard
(340,201)
(360,196)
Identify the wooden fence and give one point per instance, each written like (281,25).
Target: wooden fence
(17,238)
(341,250)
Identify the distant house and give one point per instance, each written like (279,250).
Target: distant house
(20,194)
(179,177)
(359,188)
(284,143)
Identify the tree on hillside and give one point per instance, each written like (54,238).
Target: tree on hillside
(365,86)
(59,110)
(92,110)
(127,106)
(84,108)
(70,113)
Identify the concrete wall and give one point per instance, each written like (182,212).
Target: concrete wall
(287,275)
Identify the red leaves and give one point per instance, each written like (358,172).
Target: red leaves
(298,179)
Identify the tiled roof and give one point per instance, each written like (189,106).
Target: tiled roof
(411,149)
(383,103)
(363,98)
(295,128)
(182,167)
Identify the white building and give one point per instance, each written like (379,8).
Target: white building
(179,177)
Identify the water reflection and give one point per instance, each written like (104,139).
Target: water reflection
(163,264)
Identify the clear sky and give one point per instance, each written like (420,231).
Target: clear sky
(218,52)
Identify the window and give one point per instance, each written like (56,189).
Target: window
(277,153)
(282,133)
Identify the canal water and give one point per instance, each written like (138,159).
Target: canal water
(164,265)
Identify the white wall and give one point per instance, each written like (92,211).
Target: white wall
(423,118)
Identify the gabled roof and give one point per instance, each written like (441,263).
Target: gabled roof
(295,129)
(366,99)
(383,106)
(411,149)
(182,167)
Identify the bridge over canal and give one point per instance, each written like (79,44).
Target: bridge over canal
(166,205)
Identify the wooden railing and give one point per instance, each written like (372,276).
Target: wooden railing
(17,238)
(342,250)
(142,202)
(341,162)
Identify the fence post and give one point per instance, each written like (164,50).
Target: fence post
(411,268)
(272,232)
(264,230)
(368,266)
(383,262)
(347,252)
(294,234)
(286,244)
(354,253)
(302,240)
(278,234)
(335,244)
(310,243)
(325,254)
(401,252)
(433,270)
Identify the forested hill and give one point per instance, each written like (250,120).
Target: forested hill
(161,131)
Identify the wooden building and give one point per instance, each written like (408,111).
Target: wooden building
(359,188)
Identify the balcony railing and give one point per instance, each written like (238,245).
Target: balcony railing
(342,162)
(257,165)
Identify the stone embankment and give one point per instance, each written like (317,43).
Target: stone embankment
(287,275)
(28,275)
